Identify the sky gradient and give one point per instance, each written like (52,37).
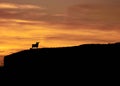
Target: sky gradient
(57,23)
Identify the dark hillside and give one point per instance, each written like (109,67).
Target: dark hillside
(67,63)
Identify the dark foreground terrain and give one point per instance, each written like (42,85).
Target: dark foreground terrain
(90,61)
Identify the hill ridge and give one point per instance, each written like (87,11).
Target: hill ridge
(60,62)
(83,45)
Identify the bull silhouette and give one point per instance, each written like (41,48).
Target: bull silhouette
(35,46)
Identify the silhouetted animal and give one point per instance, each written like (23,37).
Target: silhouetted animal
(35,45)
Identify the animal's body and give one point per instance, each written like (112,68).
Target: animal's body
(35,46)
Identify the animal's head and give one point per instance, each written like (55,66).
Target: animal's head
(37,42)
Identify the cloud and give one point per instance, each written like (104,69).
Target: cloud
(89,16)
(94,16)
(1,51)
(36,17)
(81,38)
(5,22)
(29,17)
(18,6)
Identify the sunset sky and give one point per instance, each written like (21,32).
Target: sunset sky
(57,23)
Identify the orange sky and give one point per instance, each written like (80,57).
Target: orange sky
(57,23)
